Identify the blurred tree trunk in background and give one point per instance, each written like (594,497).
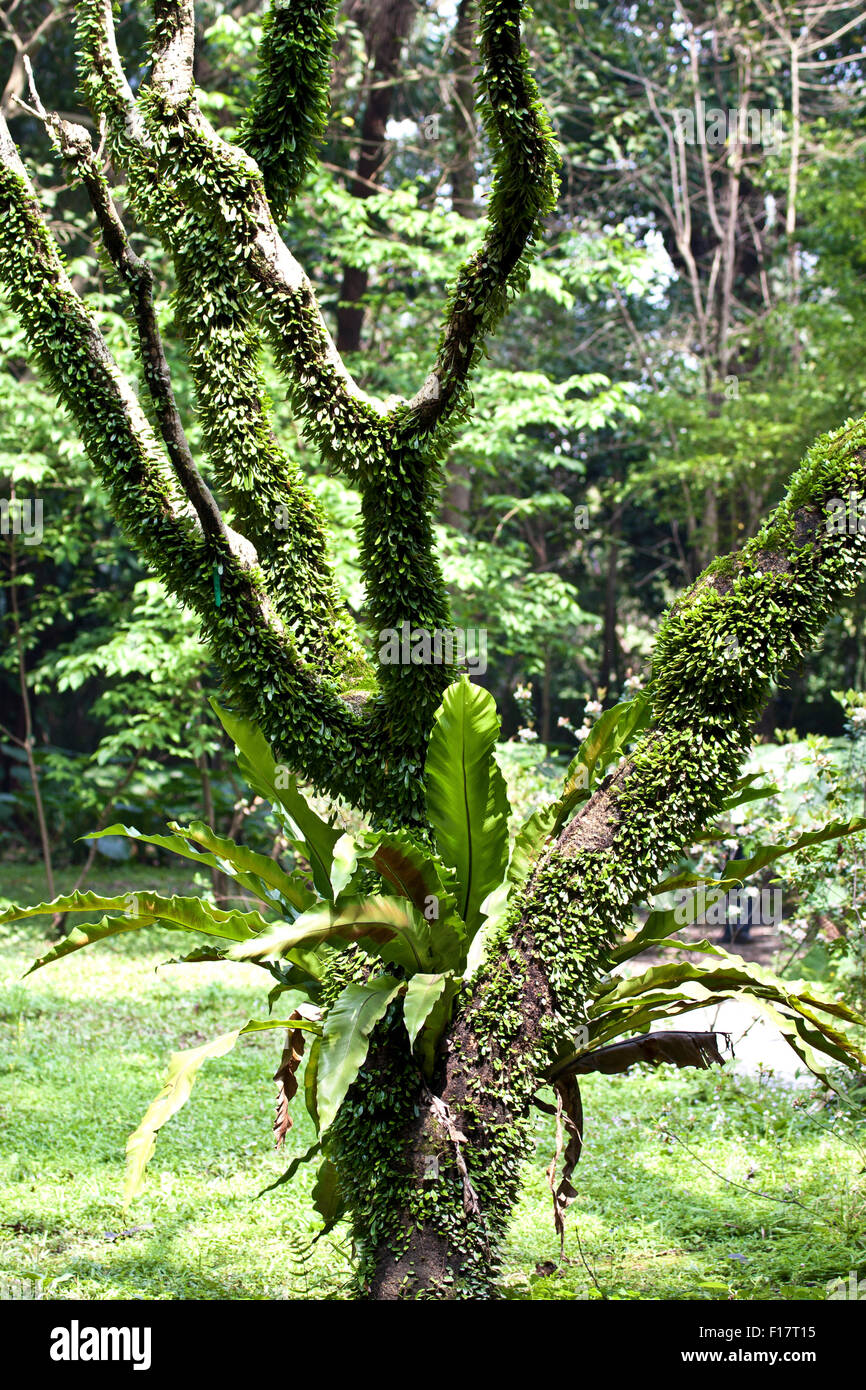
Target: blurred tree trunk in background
(385,25)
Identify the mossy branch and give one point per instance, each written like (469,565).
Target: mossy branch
(76,150)
(68,344)
(744,622)
(525,185)
(289,111)
(216,309)
(224,184)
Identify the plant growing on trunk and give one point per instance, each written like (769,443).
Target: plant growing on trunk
(427,1052)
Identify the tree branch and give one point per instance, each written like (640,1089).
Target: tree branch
(224,184)
(32,261)
(523,194)
(216,308)
(76,150)
(745,621)
(24,46)
(289,112)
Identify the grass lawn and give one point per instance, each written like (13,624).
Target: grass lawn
(692,1185)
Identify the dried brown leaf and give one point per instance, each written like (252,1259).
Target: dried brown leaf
(287,1081)
(569,1116)
(679,1048)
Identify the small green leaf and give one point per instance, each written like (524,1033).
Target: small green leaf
(421,994)
(345,1040)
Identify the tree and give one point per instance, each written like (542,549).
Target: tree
(707,134)
(23,27)
(387,26)
(294,664)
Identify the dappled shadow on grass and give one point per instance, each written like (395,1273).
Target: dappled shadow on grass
(774,1221)
(179,1260)
(84,1046)
(176,1261)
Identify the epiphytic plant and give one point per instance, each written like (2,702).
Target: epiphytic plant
(402,925)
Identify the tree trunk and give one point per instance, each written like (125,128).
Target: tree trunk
(386,24)
(457,497)
(431,1179)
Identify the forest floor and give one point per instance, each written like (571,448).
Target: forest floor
(693,1185)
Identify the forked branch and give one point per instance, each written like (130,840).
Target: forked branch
(76,149)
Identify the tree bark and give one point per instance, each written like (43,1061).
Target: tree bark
(457,497)
(434,1229)
(386,24)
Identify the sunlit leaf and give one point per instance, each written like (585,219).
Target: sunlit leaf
(466,797)
(346,1038)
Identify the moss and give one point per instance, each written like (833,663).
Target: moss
(776,597)
(289,111)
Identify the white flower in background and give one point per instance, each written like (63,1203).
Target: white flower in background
(527,735)
(592,708)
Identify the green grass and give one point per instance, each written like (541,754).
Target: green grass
(83,1048)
